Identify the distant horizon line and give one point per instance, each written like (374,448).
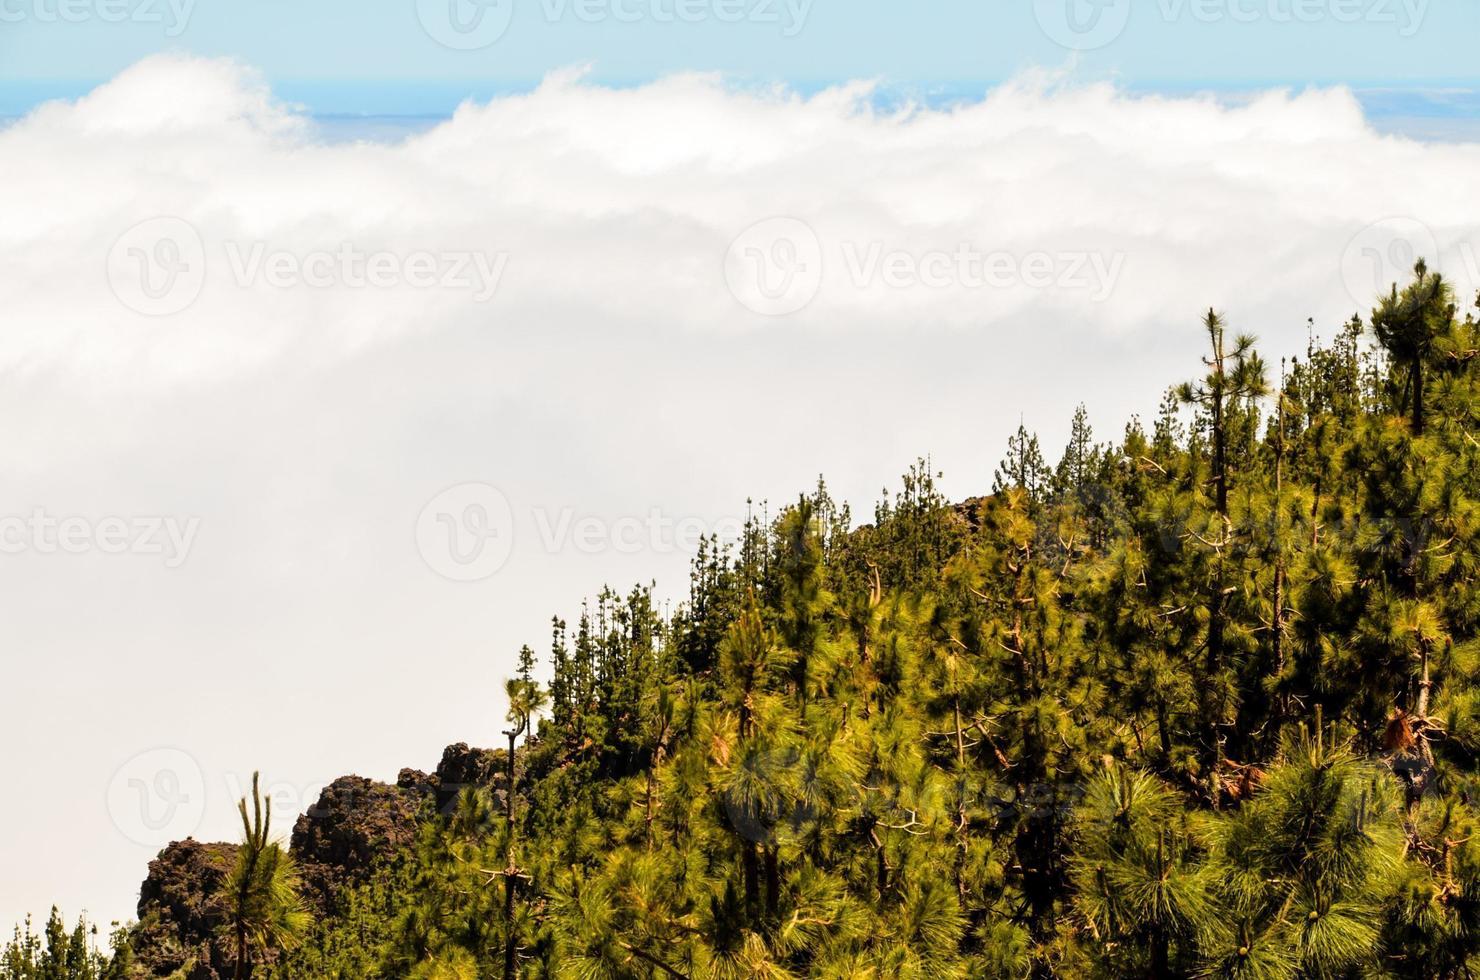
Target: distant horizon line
(31,92)
(1444,111)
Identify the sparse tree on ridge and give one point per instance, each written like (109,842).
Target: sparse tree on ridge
(263,908)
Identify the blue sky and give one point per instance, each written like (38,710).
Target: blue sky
(374,57)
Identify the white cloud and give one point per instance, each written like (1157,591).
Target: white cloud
(612,372)
(623,203)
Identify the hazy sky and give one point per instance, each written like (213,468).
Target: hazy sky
(377,55)
(308,431)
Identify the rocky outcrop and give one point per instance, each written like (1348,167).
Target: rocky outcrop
(462,767)
(180,912)
(418,782)
(355,824)
(969,512)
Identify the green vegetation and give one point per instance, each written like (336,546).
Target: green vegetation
(60,953)
(1201,702)
(261,895)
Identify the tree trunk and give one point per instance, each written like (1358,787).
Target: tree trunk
(1163,730)
(511,871)
(1220,436)
(1418,396)
(959,869)
(511,946)
(1425,684)
(1281,703)
(1279,633)
(1213,698)
(1160,965)
(1214,710)
(243,968)
(773,880)
(652,782)
(750,866)
(1315,511)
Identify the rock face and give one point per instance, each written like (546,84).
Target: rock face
(180,912)
(969,512)
(462,767)
(355,823)
(416,781)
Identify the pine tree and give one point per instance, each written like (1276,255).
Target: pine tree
(1307,867)
(1410,325)
(750,661)
(1227,396)
(1023,467)
(263,907)
(1142,885)
(526,699)
(1072,477)
(1038,702)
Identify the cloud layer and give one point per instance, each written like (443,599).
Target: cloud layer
(623,204)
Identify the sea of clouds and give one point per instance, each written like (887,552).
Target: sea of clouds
(575,203)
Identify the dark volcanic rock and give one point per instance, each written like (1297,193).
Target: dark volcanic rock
(466,766)
(462,767)
(416,781)
(969,512)
(180,912)
(355,823)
